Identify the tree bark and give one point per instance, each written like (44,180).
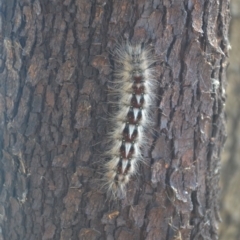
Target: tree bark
(55,64)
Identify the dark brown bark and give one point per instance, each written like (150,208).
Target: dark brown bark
(54,69)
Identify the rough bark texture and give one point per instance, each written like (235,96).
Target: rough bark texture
(231,165)
(54,68)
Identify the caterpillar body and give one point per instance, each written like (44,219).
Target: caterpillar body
(134,85)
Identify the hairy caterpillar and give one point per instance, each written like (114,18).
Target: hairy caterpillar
(134,86)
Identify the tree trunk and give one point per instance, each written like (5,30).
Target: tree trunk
(55,64)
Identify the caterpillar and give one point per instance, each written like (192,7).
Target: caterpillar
(134,86)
